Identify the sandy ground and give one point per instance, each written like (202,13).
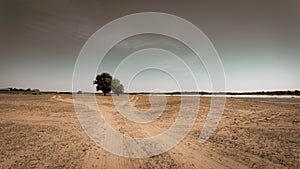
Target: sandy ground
(43,132)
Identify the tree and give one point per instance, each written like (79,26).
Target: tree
(103,83)
(116,86)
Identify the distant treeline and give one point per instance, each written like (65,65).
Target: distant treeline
(37,91)
(20,91)
(288,92)
(30,91)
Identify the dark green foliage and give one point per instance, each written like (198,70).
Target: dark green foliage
(103,83)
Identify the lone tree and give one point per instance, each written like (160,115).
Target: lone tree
(103,83)
(117,87)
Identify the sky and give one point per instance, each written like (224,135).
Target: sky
(257,41)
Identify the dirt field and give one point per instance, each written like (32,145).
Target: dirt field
(42,131)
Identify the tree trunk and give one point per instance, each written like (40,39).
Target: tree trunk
(104,94)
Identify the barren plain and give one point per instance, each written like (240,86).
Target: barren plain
(42,131)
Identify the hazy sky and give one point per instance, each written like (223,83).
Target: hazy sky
(257,40)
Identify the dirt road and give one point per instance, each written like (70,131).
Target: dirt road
(43,132)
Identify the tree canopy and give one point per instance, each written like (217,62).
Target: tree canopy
(116,86)
(103,83)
